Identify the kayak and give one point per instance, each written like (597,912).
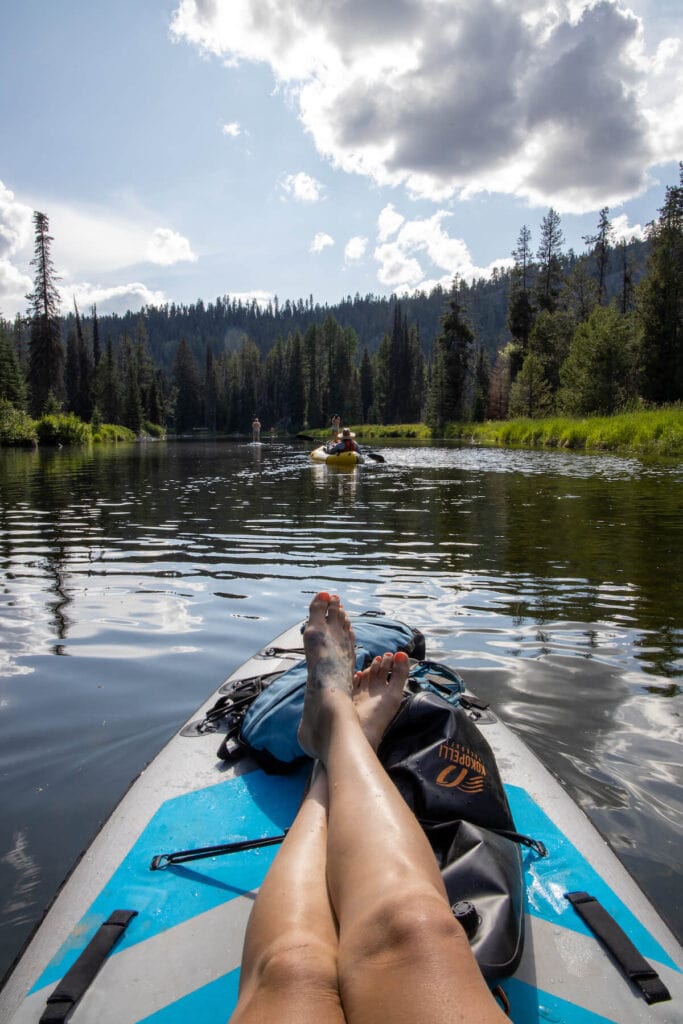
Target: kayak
(179,928)
(348,458)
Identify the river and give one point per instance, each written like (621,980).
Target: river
(133,579)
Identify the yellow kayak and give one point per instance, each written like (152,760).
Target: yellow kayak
(348,458)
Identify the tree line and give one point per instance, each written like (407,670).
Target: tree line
(593,333)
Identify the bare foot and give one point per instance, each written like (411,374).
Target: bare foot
(377,693)
(330,656)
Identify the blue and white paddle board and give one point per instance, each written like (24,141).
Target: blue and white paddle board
(178,960)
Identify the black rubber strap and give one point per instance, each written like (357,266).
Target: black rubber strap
(635,966)
(77,979)
(163,860)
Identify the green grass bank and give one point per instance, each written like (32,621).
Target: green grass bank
(644,432)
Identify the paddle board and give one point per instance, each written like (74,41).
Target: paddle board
(178,959)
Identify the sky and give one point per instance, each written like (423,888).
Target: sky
(189,149)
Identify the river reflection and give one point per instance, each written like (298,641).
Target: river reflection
(549,579)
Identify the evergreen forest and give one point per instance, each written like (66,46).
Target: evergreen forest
(557,333)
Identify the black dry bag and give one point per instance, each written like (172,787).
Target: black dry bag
(446,772)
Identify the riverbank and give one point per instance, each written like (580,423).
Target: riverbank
(646,432)
(19,430)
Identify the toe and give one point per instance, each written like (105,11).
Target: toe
(401,669)
(318,607)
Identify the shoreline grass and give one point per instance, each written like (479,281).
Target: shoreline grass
(643,432)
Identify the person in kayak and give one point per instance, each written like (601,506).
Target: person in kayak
(345,443)
(352,924)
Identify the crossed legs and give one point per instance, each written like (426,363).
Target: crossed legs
(352,923)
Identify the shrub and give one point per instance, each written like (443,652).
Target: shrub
(112,433)
(16,426)
(154,429)
(63,428)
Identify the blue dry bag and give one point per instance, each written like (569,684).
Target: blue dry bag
(270,725)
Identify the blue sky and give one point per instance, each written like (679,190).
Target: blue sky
(186,149)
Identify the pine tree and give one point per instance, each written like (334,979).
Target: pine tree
(520,314)
(549,256)
(72,371)
(600,244)
(579,294)
(381,375)
(482,377)
(46,352)
(157,406)
(12,383)
(549,342)
(660,304)
(597,372)
(108,386)
(627,287)
(415,383)
(367,385)
(96,351)
(211,390)
(188,405)
(398,369)
(499,387)
(530,393)
(82,397)
(144,368)
(296,392)
(311,362)
(249,399)
(131,406)
(451,366)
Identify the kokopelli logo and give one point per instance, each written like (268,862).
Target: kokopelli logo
(465,771)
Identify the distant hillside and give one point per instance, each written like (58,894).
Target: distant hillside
(224,323)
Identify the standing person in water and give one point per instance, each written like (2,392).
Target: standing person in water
(336,425)
(352,924)
(255,429)
(345,442)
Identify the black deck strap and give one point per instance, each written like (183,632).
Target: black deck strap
(77,979)
(635,966)
(164,860)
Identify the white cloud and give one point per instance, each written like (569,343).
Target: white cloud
(90,239)
(418,248)
(86,240)
(556,101)
(321,241)
(15,236)
(168,247)
(233,129)
(388,222)
(355,248)
(666,53)
(14,286)
(625,232)
(302,187)
(260,297)
(15,223)
(110,299)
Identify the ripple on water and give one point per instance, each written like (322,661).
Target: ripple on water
(544,577)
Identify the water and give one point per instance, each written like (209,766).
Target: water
(133,580)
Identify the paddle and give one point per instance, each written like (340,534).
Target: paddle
(371,455)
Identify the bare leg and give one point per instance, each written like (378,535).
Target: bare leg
(402,956)
(289,962)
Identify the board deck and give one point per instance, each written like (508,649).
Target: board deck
(179,959)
